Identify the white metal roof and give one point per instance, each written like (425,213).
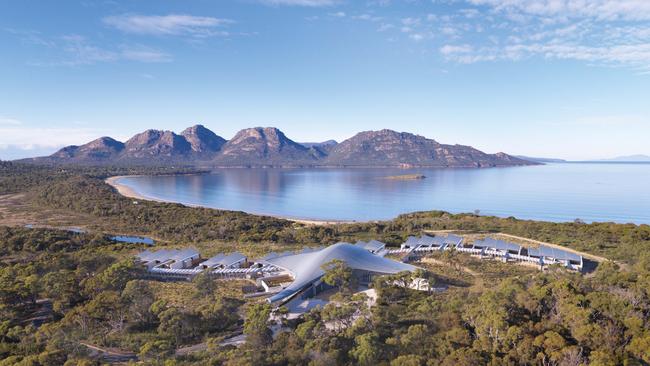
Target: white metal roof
(556,253)
(452,239)
(165,255)
(412,241)
(497,244)
(428,241)
(373,245)
(223,260)
(213,261)
(306,268)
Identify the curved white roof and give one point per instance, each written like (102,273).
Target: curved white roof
(306,267)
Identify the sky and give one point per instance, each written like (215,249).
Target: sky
(547,78)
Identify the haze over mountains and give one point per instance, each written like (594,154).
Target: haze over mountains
(269,147)
(639,158)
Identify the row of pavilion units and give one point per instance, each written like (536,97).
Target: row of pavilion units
(542,255)
(184,264)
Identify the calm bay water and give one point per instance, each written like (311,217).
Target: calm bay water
(553,192)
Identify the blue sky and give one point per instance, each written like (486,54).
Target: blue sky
(556,78)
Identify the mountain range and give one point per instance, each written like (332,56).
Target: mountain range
(639,158)
(269,147)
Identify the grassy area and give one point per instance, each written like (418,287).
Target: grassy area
(183,295)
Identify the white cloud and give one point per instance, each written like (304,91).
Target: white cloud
(596,32)
(609,33)
(85,53)
(567,9)
(77,50)
(9,121)
(310,3)
(172,24)
(368,17)
(31,37)
(410,21)
(31,138)
(448,50)
(637,56)
(470,13)
(144,54)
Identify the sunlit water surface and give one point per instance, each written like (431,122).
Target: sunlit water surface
(553,192)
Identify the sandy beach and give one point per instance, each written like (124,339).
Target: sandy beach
(125,190)
(130,193)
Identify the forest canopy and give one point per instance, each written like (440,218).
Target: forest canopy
(62,290)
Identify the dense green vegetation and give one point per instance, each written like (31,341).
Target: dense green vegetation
(555,318)
(88,289)
(16,177)
(164,220)
(59,290)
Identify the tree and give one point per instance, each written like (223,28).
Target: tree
(138,296)
(204,285)
(114,277)
(256,326)
(415,339)
(339,316)
(338,274)
(408,360)
(451,256)
(157,350)
(640,347)
(106,309)
(367,349)
(178,326)
(219,315)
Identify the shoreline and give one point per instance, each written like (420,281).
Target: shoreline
(125,190)
(129,192)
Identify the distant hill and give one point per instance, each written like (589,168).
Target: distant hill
(324,147)
(104,149)
(630,159)
(401,149)
(202,140)
(541,160)
(155,145)
(264,147)
(270,147)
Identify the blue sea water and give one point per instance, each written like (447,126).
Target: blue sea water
(552,192)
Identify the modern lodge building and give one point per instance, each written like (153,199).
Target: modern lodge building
(298,275)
